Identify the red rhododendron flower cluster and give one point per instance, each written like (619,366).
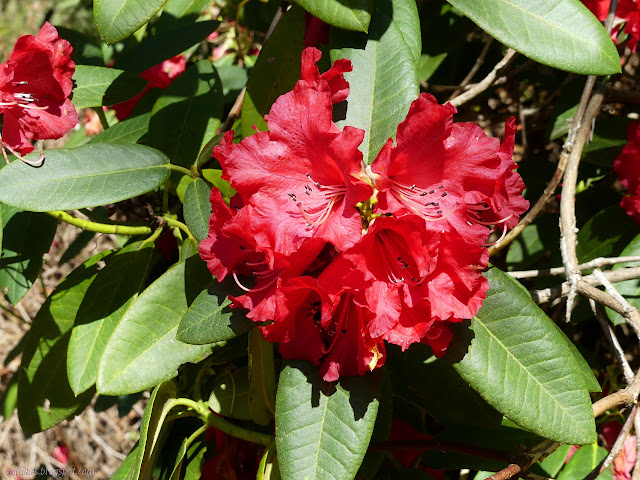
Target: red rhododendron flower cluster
(346,257)
(159,76)
(627,166)
(627,12)
(35,84)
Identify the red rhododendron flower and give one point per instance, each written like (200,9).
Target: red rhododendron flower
(627,12)
(35,84)
(345,256)
(627,166)
(159,76)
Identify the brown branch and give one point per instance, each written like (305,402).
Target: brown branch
(486,82)
(506,473)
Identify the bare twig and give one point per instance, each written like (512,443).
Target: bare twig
(476,66)
(613,340)
(486,82)
(596,263)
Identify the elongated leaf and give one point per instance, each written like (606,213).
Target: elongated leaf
(560,33)
(117,19)
(384,80)
(187,114)
(143,350)
(521,365)
(197,208)
(45,397)
(128,131)
(210,319)
(164,45)
(98,86)
(124,470)
(276,71)
(151,427)
(323,430)
(86,176)
(347,14)
(583,461)
(552,464)
(26,237)
(230,396)
(605,234)
(629,289)
(262,379)
(105,301)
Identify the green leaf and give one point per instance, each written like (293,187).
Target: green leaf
(143,350)
(588,377)
(604,235)
(187,114)
(26,237)
(521,365)
(164,45)
(214,176)
(262,379)
(347,14)
(127,131)
(559,33)
(583,461)
(205,154)
(276,71)
(117,19)
(124,471)
(230,396)
(98,86)
(151,427)
(45,397)
(197,208)
(384,80)
(85,176)
(105,302)
(209,319)
(526,248)
(323,430)
(552,464)
(179,12)
(85,51)
(629,289)
(191,455)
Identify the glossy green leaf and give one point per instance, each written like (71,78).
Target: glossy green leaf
(384,80)
(559,33)
(117,19)
(230,396)
(214,176)
(189,248)
(262,379)
(181,12)
(417,373)
(151,428)
(26,237)
(125,469)
(164,45)
(276,71)
(197,208)
(521,365)
(105,302)
(98,86)
(583,462)
(629,289)
(130,130)
(323,429)
(205,154)
(45,397)
(347,14)
(85,51)
(187,114)
(190,456)
(85,176)
(143,349)
(209,318)
(588,377)
(605,234)
(552,464)
(527,246)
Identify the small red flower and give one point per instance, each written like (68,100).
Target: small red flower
(627,166)
(159,76)
(35,84)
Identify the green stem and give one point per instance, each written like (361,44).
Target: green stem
(152,238)
(195,435)
(236,431)
(178,168)
(99,227)
(220,423)
(102,117)
(172,222)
